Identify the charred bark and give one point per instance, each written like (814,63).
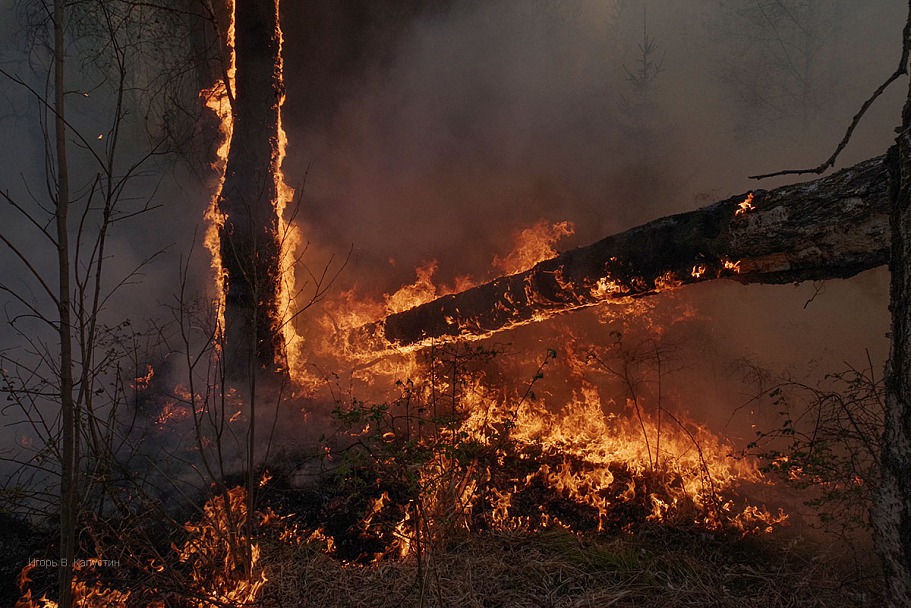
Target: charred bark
(250,247)
(833,227)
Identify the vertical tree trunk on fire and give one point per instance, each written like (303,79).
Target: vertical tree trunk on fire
(249,237)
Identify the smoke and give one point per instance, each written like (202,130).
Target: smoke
(443,131)
(481,118)
(436,131)
(143,251)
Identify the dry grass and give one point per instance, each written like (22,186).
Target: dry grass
(657,568)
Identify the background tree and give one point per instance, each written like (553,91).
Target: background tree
(646,169)
(644,123)
(778,61)
(67,381)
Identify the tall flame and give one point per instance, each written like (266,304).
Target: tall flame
(289,235)
(532,245)
(219,99)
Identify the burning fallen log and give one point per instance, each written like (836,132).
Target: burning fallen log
(833,227)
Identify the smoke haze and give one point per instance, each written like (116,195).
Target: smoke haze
(458,124)
(437,130)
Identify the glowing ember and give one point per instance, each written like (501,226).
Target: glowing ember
(142,382)
(172,412)
(606,286)
(746,206)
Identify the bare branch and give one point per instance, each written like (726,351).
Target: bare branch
(29,217)
(32,270)
(900,71)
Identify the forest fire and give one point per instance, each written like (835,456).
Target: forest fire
(219,100)
(383,429)
(450,449)
(253,272)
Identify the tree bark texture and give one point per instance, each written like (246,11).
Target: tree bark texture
(832,227)
(249,239)
(68,417)
(891,515)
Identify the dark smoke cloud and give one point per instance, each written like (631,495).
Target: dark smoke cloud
(470,120)
(456,125)
(436,130)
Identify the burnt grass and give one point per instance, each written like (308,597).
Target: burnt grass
(337,503)
(621,558)
(553,551)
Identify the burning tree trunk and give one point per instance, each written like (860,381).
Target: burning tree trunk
(249,241)
(833,227)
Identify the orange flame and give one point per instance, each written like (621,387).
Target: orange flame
(732,266)
(421,291)
(83,593)
(218,100)
(534,244)
(142,382)
(745,206)
(289,235)
(221,555)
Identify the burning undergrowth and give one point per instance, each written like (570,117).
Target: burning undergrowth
(586,445)
(571,428)
(453,451)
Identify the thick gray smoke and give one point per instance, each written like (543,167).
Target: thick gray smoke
(466,121)
(437,130)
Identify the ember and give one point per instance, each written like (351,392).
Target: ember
(746,206)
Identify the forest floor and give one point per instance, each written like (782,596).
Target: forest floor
(656,566)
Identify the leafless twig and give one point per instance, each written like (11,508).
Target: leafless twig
(900,71)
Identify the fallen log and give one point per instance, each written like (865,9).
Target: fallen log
(833,227)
